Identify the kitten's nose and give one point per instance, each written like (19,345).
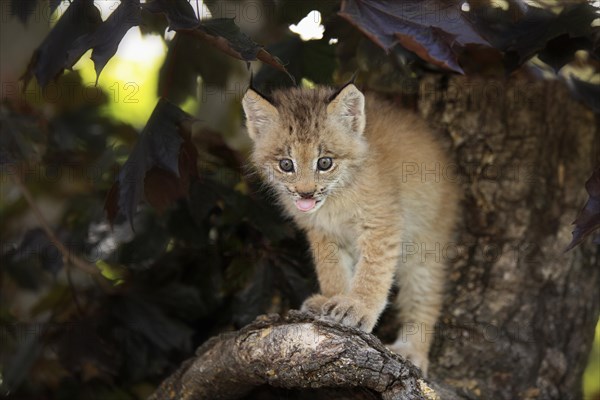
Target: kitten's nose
(306,195)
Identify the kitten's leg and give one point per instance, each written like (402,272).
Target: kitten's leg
(363,303)
(334,270)
(421,278)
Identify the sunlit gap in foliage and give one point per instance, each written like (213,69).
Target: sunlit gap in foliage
(591,383)
(202,12)
(596,22)
(309,27)
(130,79)
(191,105)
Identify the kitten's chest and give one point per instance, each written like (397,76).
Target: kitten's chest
(336,222)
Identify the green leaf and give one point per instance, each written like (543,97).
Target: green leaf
(115,273)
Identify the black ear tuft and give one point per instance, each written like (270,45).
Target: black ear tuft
(350,82)
(261,94)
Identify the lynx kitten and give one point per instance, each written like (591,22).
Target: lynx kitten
(366,177)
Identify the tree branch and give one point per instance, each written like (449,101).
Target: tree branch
(295,352)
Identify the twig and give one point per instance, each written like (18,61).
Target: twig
(68,256)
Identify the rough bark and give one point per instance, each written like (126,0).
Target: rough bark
(520,313)
(294,353)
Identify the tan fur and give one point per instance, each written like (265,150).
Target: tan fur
(384,210)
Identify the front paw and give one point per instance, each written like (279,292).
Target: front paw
(314,304)
(351,312)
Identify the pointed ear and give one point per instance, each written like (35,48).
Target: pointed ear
(348,107)
(260,113)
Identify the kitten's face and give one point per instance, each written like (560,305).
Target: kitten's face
(308,143)
(305,172)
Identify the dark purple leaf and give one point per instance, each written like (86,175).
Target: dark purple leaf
(221,33)
(105,40)
(523,37)
(588,219)
(436,31)
(180,13)
(162,187)
(153,23)
(158,146)
(237,40)
(186,59)
(131,179)
(226,36)
(48,60)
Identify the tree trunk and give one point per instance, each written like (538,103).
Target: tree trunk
(520,313)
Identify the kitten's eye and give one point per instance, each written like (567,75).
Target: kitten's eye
(324,163)
(286,165)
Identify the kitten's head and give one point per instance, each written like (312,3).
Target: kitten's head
(307,142)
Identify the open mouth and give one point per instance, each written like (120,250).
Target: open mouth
(306,205)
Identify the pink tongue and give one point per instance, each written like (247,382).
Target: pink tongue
(305,204)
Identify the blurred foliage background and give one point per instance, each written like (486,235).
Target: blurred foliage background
(130,297)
